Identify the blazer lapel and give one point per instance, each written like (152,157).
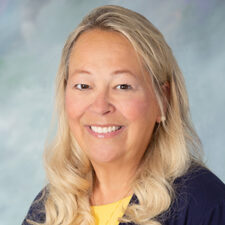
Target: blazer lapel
(134,200)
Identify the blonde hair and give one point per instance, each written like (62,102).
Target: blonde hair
(173,146)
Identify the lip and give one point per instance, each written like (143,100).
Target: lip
(104,135)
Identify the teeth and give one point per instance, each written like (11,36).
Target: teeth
(104,130)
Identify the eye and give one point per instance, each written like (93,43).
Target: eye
(124,86)
(81,86)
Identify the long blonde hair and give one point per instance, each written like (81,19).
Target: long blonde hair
(173,147)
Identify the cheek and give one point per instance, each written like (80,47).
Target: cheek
(74,106)
(136,109)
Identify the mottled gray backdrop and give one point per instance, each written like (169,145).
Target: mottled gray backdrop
(32,34)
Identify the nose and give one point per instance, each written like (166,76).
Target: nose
(101,103)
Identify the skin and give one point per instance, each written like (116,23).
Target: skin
(103,61)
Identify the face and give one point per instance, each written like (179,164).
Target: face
(110,109)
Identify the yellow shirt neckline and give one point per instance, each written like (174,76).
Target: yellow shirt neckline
(109,213)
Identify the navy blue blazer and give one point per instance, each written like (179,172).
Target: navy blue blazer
(200,200)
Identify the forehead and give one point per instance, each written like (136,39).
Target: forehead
(104,48)
(96,42)
(96,37)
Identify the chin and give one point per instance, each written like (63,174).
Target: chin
(104,157)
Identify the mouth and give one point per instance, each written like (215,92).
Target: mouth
(105,131)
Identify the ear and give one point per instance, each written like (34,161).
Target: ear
(165,86)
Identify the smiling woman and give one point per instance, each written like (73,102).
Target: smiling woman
(125,151)
(109,88)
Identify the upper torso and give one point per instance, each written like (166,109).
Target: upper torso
(200,200)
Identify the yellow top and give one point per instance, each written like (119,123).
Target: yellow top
(108,214)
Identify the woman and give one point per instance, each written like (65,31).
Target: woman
(125,149)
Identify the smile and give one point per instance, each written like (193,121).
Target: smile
(104,131)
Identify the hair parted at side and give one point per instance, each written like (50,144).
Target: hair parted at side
(173,147)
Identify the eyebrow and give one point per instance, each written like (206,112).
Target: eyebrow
(80,71)
(118,72)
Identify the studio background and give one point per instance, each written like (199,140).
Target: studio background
(32,35)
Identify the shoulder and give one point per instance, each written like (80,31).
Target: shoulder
(201,186)
(199,198)
(36,211)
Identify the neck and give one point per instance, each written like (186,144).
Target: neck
(112,182)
